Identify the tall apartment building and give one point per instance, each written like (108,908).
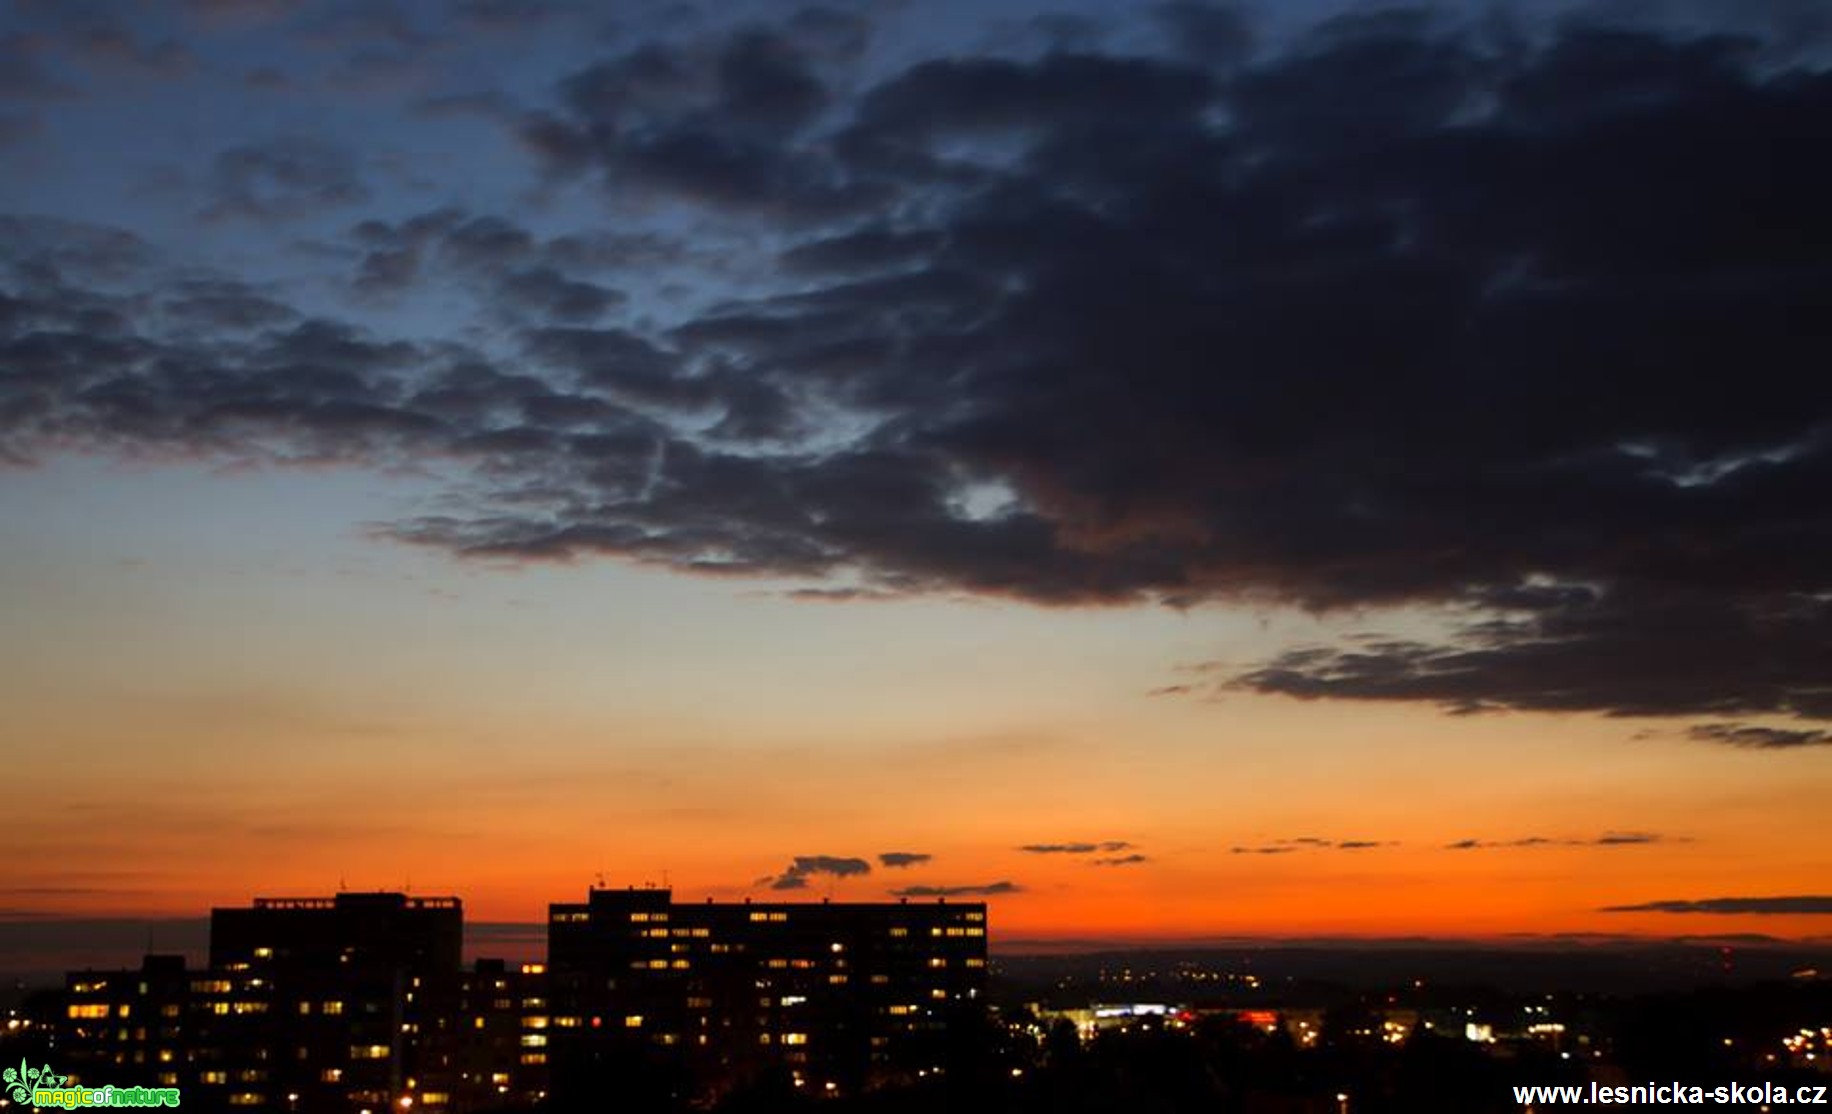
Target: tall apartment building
(839,997)
(358,1003)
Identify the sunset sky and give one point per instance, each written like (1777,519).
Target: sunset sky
(1179,471)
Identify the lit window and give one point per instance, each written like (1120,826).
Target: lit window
(263,953)
(795,1038)
(534,1040)
(213,1077)
(89,1011)
(369,1052)
(633,1021)
(333,1007)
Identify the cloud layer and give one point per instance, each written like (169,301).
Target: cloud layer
(1775,906)
(1515,327)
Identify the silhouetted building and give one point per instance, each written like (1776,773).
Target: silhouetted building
(321,1003)
(130,1026)
(837,997)
(359,1002)
(486,1044)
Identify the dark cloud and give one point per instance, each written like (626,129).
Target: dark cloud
(230,12)
(988,889)
(24,74)
(488,104)
(547,293)
(1503,328)
(1760,738)
(897,860)
(1213,33)
(1309,843)
(828,32)
(796,875)
(502,261)
(225,305)
(1778,906)
(1625,839)
(370,28)
(1076,848)
(283,178)
(707,126)
(1636,651)
(498,16)
(1123,860)
(114,49)
(1607,839)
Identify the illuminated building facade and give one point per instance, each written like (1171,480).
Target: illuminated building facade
(322,1003)
(130,1026)
(486,1043)
(837,997)
(359,1002)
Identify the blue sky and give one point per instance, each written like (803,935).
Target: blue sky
(488,442)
